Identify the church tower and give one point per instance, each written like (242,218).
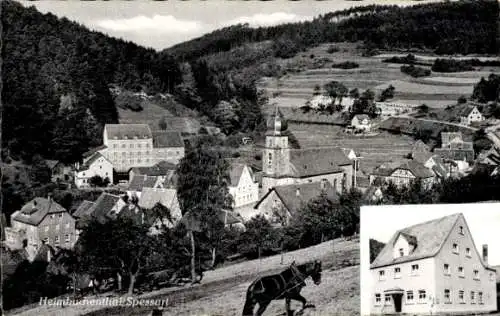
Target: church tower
(276,155)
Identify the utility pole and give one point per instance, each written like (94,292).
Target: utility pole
(356,165)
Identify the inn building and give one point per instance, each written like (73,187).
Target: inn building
(433,268)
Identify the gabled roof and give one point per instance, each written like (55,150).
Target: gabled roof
(317,161)
(93,150)
(455,154)
(361,117)
(102,206)
(467,110)
(138,183)
(34,211)
(93,158)
(51,163)
(167,139)
(235,172)
(415,167)
(162,168)
(127,131)
(293,201)
(83,209)
(150,197)
(447,137)
(428,236)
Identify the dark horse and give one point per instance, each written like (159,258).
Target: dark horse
(285,285)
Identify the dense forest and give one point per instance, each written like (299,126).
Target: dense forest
(446,28)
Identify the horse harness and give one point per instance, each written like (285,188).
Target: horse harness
(296,275)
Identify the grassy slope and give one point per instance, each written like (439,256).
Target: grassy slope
(339,290)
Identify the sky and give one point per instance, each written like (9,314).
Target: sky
(381,222)
(161,24)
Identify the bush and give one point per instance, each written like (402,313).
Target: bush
(462,100)
(451,65)
(346,65)
(236,154)
(415,72)
(408,59)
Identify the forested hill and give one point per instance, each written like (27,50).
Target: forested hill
(448,27)
(56,75)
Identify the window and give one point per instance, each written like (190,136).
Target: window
(123,145)
(446,268)
(67,226)
(472,297)
(421,295)
(492,276)
(401,252)
(66,238)
(60,215)
(57,240)
(387,299)
(461,272)
(461,297)
(52,216)
(461,230)
(414,269)
(455,248)
(467,252)
(47,228)
(270,160)
(397,273)
(46,240)
(409,296)
(378,299)
(480,297)
(115,145)
(476,274)
(131,145)
(381,275)
(138,145)
(447,297)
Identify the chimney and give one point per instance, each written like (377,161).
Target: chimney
(485,254)
(297,193)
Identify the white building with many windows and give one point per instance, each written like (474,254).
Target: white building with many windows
(433,268)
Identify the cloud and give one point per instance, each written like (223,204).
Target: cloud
(156,24)
(269,19)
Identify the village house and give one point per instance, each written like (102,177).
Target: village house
(230,220)
(160,169)
(402,174)
(95,165)
(166,197)
(361,122)
(471,115)
(105,208)
(139,183)
(282,165)
(167,146)
(433,268)
(59,171)
(453,147)
(394,107)
(420,151)
(40,221)
(281,203)
(243,187)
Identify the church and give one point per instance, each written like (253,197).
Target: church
(283,165)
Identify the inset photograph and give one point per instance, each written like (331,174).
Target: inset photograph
(430,259)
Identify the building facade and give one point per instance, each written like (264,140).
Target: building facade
(167,146)
(433,268)
(95,165)
(402,174)
(41,221)
(471,115)
(361,122)
(243,187)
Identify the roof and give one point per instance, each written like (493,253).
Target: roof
(162,168)
(51,163)
(455,154)
(467,110)
(93,150)
(415,167)
(93,158)
(102,206)
(429,237)
(139,182)
(420,151)
(307,191)
(235,171)
(127,131)
(316,161)
(83,209)
(361,117)
(166,139)
(447,137)
(34,211)
(150,197)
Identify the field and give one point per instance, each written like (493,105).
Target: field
(438,90)
(222,290)
(375,150)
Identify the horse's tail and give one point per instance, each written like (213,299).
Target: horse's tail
(249,302)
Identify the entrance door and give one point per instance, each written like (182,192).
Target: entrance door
(397,298)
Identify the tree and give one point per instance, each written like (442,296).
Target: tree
(387,93)
(259,238)
(119,245)
(203,193)
(40,172)
(336,90)
(375,248)
(354,93)
(317,89)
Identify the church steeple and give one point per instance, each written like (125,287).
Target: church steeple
(276,123)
